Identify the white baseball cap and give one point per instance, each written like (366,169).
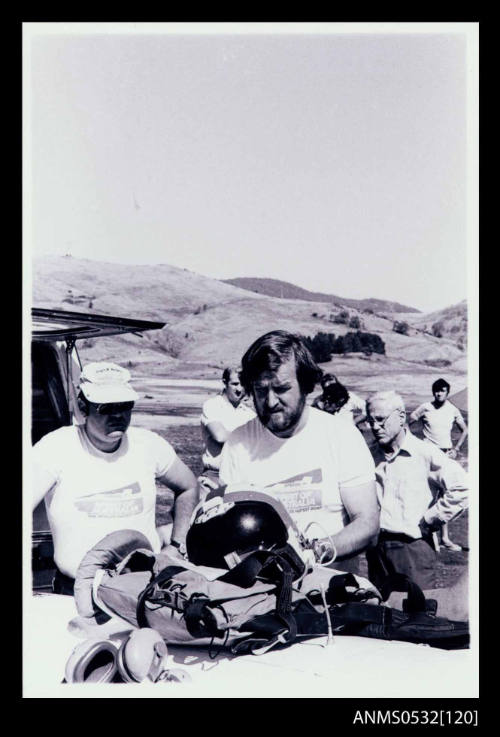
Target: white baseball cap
(102,383)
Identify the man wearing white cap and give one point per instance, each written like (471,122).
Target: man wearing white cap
(99,477)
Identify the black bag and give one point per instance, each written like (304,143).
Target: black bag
(416,623)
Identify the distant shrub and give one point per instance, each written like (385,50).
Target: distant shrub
(368,311)
(438,362)
(314,314)
(321,346)
(401,327)
(355,322)
(324,345)
(438,329)
(341,318)
(359,342)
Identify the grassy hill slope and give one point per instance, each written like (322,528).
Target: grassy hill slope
(450,322)
(283,289)
(211,323)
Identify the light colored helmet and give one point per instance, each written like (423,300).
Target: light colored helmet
(143,656)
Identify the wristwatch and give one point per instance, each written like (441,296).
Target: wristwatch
(180,546)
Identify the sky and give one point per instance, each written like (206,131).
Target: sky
(338,161)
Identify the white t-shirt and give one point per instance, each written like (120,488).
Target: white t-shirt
(438,423)
(220,409)
(305,472)
(95,493)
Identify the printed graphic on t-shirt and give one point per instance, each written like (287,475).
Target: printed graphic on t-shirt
(124,502)
(301,493)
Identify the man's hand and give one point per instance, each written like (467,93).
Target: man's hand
(174,552)
(324,550)
(452,453)
(205,485)
(426,529)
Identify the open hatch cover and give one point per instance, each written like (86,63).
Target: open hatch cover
(51,325)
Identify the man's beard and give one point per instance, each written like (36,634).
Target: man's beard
(284,419)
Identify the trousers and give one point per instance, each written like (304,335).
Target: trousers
(397,553)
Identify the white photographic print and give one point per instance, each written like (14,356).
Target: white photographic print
(189,188)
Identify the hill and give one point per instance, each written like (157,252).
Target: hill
(285,290)
(450,323)
(210,324)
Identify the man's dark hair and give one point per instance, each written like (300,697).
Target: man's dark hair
(327,379)
(269,351)
(440,384)
(335,393)
(83,403)
(226,374)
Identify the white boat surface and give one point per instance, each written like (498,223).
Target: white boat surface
(351,667)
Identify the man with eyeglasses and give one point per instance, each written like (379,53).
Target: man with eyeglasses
(100,476)
(409,474)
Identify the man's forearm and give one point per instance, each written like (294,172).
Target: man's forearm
(184,504)
(450,505)
(355,536)
(461,440)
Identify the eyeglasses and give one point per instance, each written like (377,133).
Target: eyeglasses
(113,408)
(380,421)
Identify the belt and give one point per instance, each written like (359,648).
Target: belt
(397,536)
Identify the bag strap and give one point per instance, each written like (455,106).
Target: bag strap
(416,601)
(144,596)
(246,572)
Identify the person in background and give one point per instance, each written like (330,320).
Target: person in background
(335,399)
(325,380)
(354,408)
(438,418)
(100,476)
(319,467)
(220,416)
(408,470)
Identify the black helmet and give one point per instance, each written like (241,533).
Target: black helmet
(226,529)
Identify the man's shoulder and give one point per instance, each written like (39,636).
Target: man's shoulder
(324,420)
(424,407)
(421,446)
(214,403)
(338,429)
(247,433)
(143,434)
(57,437)
(452,408)
(147,438)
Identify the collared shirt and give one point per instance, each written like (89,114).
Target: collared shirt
(408,483)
